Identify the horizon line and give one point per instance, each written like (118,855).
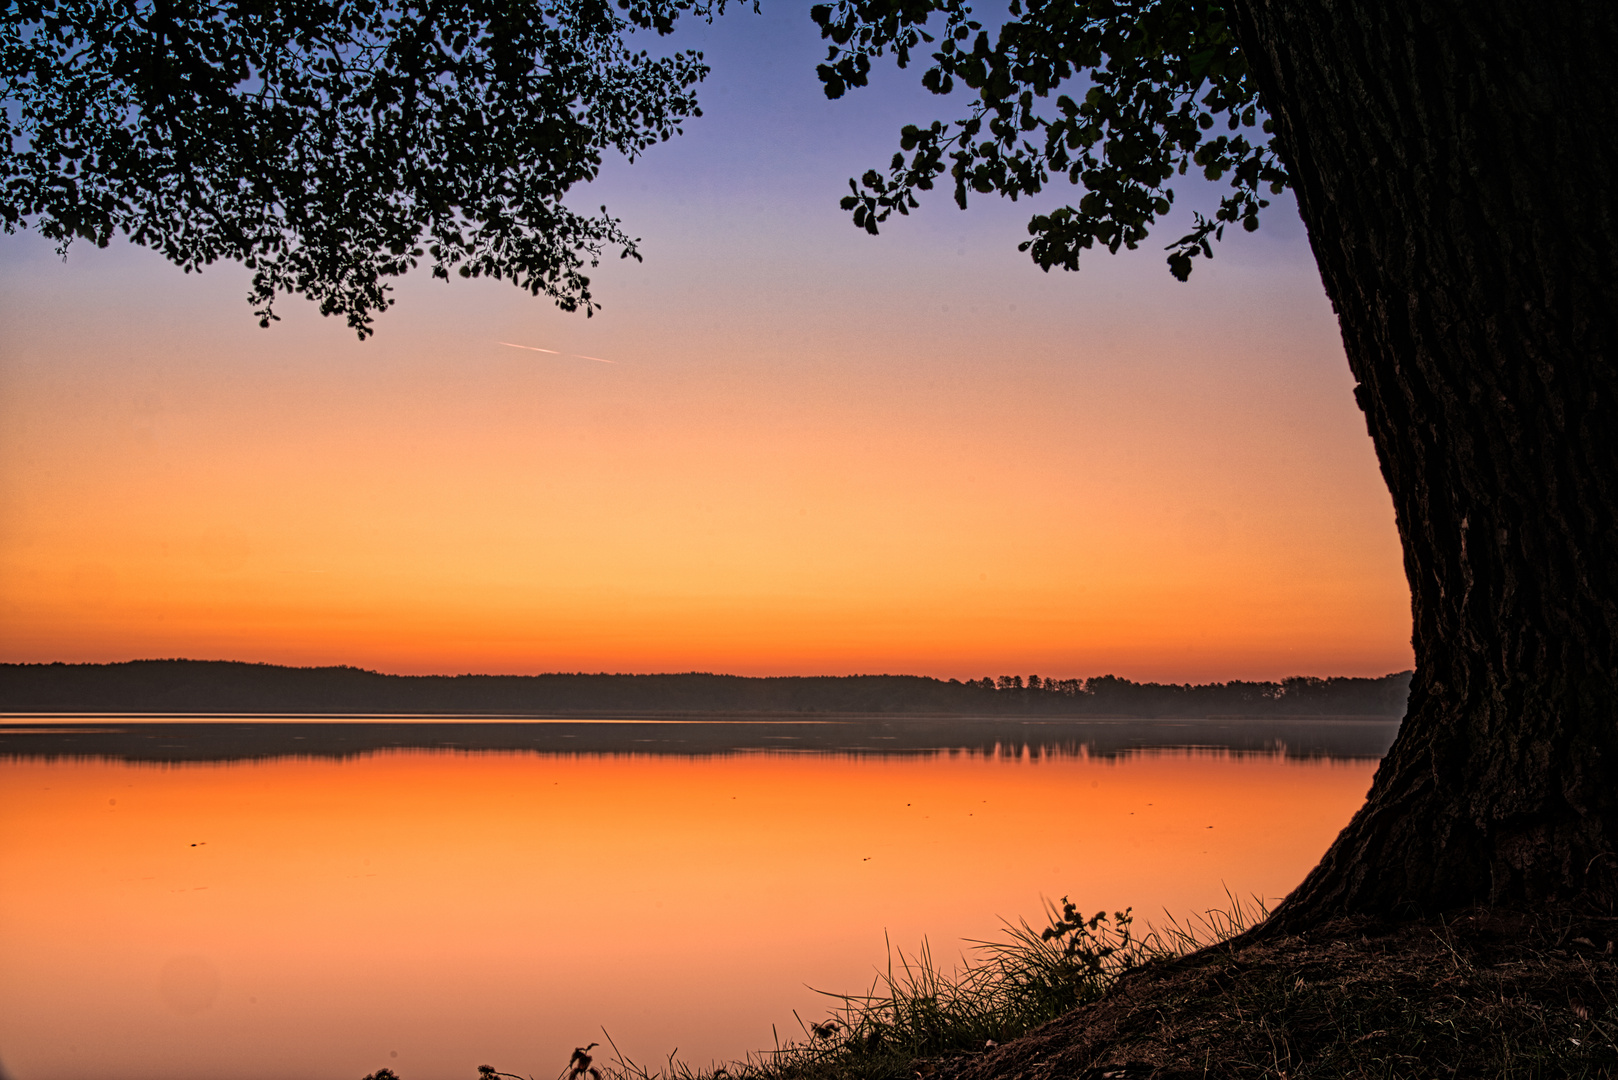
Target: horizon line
(664,674)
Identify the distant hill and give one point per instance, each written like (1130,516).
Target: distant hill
(219,686)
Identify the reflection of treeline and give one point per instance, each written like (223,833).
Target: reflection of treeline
(196,686)
(1027,738)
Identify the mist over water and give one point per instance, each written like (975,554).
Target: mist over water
(317,912)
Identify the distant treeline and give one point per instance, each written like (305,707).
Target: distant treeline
(217,686)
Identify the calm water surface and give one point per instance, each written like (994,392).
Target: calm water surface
(432,910)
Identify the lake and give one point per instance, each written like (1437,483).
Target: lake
(252,897)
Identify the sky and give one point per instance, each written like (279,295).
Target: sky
(782,447)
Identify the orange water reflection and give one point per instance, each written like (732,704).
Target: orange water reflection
(295,918)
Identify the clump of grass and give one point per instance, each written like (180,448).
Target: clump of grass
(1005,988)
(917,1011)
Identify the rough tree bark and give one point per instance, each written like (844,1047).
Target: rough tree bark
(1454,165)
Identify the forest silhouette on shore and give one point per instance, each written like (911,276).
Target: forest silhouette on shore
(198,686)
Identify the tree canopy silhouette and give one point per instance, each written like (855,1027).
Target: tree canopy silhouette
(331,145)
(1453,163)
(1168,90)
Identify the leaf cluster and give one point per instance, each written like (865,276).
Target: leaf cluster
(331,145)
(1118,96)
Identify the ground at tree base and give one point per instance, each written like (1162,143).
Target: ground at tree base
(1479,994)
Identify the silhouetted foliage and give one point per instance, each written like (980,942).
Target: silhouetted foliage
(1139,88)
(331,145)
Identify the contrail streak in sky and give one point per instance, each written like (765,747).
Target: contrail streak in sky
(553,352)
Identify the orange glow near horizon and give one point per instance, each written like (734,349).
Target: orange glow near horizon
(435,505)
(183,921)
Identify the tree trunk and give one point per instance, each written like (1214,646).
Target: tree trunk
(1454,165)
